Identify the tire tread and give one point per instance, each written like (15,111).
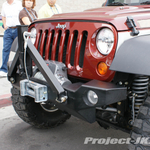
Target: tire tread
(22,106)
(141,127)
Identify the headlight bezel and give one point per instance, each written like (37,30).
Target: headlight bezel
(105,40)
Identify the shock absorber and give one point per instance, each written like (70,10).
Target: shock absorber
(139,91)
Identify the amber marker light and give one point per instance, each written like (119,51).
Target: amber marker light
(102,68)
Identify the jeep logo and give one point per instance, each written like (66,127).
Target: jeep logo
(60,26)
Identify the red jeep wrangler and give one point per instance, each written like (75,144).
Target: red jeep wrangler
(93,65)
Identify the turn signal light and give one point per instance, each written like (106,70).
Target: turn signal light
(102,68)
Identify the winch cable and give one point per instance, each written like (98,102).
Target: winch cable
(26,36)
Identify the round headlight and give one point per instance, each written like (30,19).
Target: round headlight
(105,41)
(33,35)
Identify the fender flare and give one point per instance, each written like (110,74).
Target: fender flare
(133,56)
(14,46)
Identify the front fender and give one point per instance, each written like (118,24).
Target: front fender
(133,56)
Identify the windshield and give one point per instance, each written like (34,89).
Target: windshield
(126,2)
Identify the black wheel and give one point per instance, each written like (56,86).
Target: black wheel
(38,115)
(105,126)
(141,128)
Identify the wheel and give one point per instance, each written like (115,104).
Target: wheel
(105,126)
(37,115)
(141,128)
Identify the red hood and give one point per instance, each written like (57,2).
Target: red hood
(114,15)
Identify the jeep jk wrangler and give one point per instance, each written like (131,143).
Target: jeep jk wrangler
(93,65)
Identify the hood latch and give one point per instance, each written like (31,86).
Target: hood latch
(131,24)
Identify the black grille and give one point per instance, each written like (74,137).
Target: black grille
(65,46)
(39,42)
(44,48)
(75,37)
(82,50)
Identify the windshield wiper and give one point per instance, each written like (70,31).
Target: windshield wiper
(117,4)
(147,2)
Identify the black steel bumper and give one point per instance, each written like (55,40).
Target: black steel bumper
(77,102)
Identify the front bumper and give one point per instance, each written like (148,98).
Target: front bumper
(77,102)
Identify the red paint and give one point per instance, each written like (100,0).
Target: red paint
(42,42)
(5,96)
(60,55)
(77,53)
(113,15)
(68,54)
(37,39)
(5,102)
(48,45)
(54,46)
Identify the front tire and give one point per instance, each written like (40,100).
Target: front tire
(141,128)
(34,114)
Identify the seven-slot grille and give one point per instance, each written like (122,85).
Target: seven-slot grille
(62,46)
